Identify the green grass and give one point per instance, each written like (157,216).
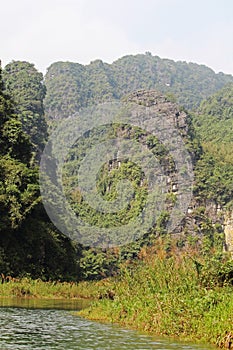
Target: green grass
(165,296)
(27,287)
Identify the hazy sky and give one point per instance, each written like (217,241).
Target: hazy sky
(45,31)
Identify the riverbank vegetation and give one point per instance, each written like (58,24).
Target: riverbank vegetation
(176,294)
(31,288)
(30,245)
(177,285)
(166,291)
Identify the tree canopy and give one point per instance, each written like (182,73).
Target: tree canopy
(71,86)
(213,123)
(25,85)
(29,242)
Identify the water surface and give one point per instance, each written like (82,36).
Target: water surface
(32,324)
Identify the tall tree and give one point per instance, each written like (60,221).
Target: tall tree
(29,243)
(25,84)
(18,179)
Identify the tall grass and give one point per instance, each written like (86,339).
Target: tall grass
(165,295)
(27,287)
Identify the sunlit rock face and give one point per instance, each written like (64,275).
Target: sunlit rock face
(228,231)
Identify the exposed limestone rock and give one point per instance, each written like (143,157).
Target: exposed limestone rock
(228,230)
(197,212)
(177,119)
(161,105)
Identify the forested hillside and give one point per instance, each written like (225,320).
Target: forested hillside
(213,123)
(214,118)
(29,242)
(25,85)
(71,86)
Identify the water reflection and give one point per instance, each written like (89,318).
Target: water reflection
(53,326)
(61,304)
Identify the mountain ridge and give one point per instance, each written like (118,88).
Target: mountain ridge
(71,86)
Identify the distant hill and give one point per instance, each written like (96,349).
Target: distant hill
(71,86)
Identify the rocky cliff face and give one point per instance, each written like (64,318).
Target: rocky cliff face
(205,217)
(162,105)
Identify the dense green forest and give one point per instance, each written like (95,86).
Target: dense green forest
(29,242)
(25,85)
(213,123)
(71,86)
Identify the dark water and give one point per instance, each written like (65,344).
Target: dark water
(34,325)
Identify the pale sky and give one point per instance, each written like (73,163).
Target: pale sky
(46,31)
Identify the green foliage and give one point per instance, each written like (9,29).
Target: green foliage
(15,142)
(109,176)
(214,126)
(18,180)
(19,192)
(167,295)
(29,244)
(161,222)
(214,119)
(71,86)
(96,264)
(25,85)
(37,289)
(64,95)
(216,271)
(213,180)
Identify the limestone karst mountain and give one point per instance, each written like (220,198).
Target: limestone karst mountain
(71,86)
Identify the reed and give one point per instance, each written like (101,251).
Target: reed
(174,294)
(29,288)
(166,296)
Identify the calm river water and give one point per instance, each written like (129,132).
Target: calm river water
(36,325)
